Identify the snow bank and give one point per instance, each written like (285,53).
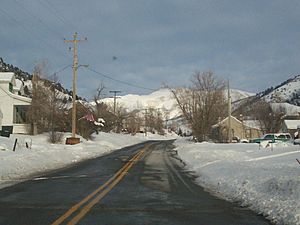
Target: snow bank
(42,156)
(262,179)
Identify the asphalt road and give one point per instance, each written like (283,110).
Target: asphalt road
(142,184)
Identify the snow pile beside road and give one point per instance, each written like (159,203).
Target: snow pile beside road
(265,180)
(43,156)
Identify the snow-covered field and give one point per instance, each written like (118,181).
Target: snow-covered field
(265,179)
(41,156)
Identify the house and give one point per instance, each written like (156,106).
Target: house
(290,126)
(240,129)
(13,106)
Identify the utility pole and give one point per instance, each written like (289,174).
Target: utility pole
(229,116)
(146,118)
(74,140)
(115,99)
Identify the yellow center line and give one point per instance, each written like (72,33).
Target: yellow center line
(87,198)
(88,207)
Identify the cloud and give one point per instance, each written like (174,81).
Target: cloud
(254,43)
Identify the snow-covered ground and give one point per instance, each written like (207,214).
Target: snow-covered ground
(41,156)
(265,179)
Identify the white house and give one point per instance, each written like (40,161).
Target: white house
(12,105)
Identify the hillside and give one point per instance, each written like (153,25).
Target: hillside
(285,96)
(20,74)
(24,78)
(163,100)
(288,91)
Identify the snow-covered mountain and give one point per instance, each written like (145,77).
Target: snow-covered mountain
(286,95)
(288,91)
(162,99)
(238,95)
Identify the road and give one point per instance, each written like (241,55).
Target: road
(141,184)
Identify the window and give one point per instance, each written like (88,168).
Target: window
(11,87)
(20,113)
(269,137)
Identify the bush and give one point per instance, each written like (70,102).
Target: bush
(55,137)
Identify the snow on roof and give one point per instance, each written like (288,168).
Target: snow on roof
(19,85)
(225,119)
(6,76)
(248,123)
(252,124)
(292,124)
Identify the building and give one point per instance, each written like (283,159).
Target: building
(290,126)
(239,129)
(13,106)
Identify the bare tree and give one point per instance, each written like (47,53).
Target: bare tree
(39,96)
(98,97)
(47,110)
(154,121)
(57,115)
(102,110)
(133,122)
(120,116)
(202,104)
(269,119)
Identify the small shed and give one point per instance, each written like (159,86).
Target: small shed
(290,126)
(239,129)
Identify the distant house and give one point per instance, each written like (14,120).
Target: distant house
(239,129)
(13,106)
(290,126)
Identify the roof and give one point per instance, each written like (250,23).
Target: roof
(292,124)
(6,76)
(249,124)
(253,124)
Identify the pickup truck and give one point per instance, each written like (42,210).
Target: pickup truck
(273,137)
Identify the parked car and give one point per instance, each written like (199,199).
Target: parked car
(244,140)
(284,137)
(273,137)
(297,141)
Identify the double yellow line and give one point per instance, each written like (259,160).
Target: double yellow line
(98,194)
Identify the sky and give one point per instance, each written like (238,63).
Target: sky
(137,46)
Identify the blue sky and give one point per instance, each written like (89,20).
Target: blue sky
(149,43)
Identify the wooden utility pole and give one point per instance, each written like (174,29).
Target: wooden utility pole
(74,140)
(229,116)
(115,99)
(146,121)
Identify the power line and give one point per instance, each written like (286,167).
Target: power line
(61,70)
(37,18)
(54,11)
(30,33)
(120,81)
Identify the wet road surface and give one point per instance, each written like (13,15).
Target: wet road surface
(142,184)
